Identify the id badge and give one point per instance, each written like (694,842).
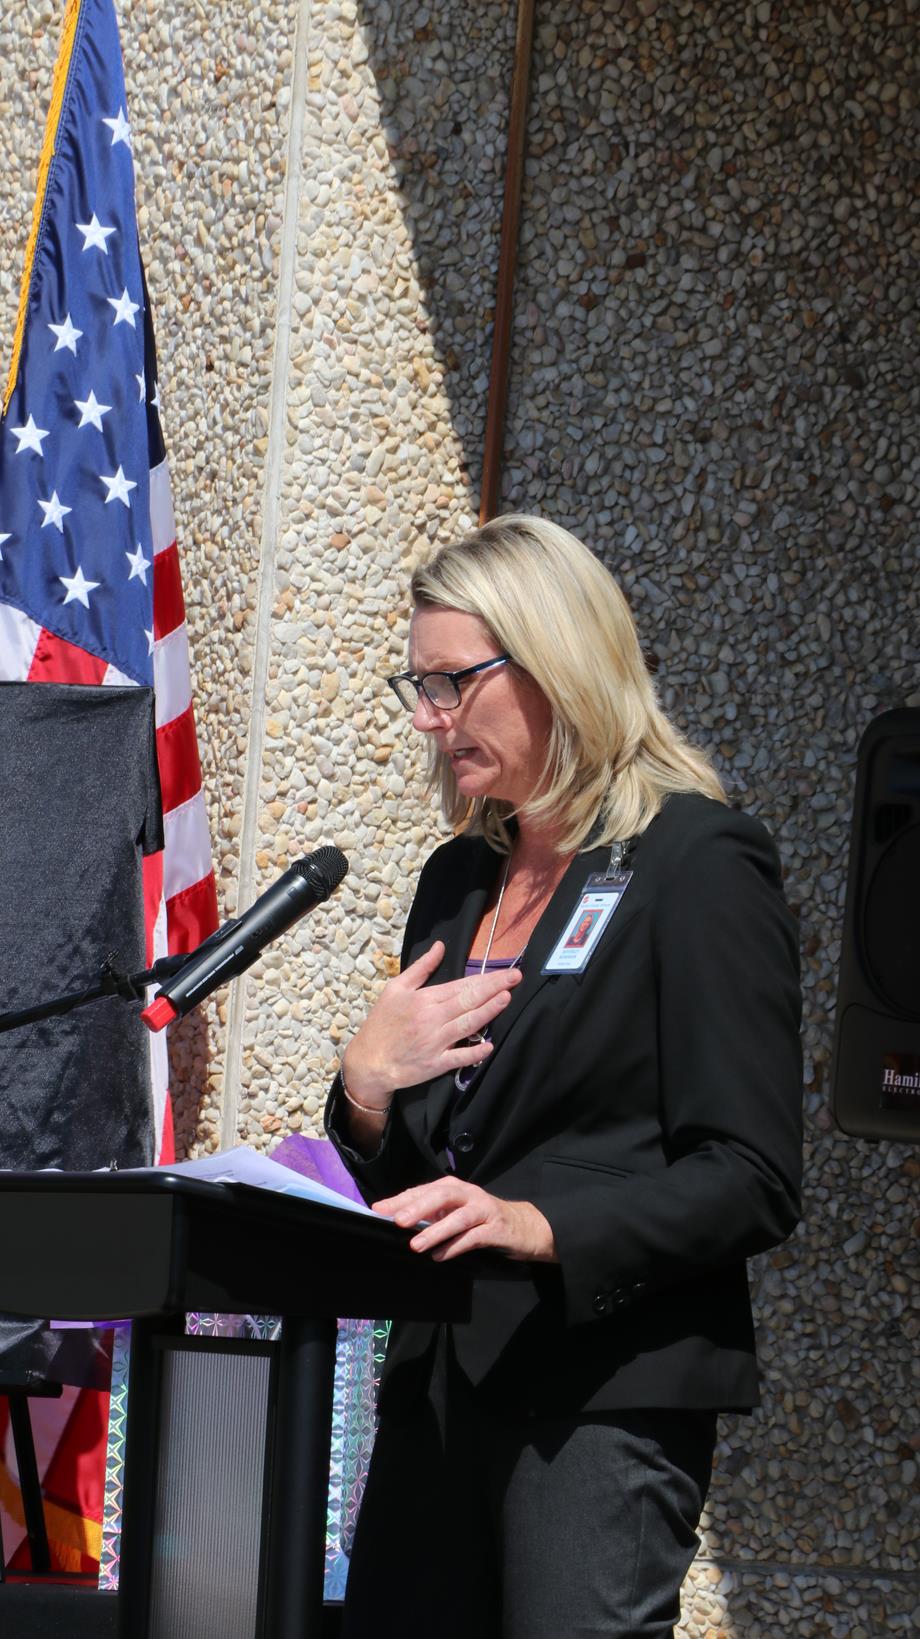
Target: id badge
(597,903)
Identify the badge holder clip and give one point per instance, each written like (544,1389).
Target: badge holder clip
(599,899)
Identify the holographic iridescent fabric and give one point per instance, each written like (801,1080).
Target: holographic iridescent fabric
(359,1359)
(360,1351)
(115,1461)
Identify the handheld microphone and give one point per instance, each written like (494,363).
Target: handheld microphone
(235,946)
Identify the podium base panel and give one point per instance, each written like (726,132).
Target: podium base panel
(205,1581)
(35,1610)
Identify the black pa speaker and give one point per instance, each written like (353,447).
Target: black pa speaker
(876,1069)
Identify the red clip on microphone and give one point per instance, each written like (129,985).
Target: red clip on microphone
(159,1013)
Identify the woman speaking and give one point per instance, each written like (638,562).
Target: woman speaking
(588,1067)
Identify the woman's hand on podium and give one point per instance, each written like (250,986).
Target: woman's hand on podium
(456,1216)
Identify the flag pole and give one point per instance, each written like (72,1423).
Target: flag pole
(55,107)
(507,261)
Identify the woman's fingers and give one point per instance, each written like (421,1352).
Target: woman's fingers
(419,971)
(478,988)
(460,1001)
(467,1004)
(472,1241)
(426,1200)
(447,1207)
(461,1025)
(446,1229)
(460,1217)
(472,1052)
(415,1029)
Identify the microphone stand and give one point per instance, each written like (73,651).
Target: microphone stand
(130,987)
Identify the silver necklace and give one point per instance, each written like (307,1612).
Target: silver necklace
(497,914)
(464,1077)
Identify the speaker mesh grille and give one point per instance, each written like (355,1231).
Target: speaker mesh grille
(891,928)
(205,1565)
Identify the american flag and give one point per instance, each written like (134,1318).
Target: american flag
(90,586)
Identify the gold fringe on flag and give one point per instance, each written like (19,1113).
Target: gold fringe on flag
(58,87)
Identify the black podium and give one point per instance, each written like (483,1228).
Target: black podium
(227,1446)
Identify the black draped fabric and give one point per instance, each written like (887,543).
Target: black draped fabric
(79,805)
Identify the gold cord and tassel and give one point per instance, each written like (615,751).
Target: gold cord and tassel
(58,88)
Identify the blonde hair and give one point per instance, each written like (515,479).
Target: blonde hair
(613,755)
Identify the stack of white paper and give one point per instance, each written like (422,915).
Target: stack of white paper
(245,1166)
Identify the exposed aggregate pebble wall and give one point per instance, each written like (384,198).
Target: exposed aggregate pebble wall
(714,381)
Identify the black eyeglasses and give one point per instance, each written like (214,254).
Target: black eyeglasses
(441,689)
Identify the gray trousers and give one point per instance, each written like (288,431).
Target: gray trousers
(477,1525)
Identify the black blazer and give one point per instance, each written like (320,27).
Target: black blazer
(649,1106)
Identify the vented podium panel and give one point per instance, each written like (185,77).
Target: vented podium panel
(227,1442)
(210,1480)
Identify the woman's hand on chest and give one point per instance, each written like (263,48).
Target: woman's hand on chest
(415,1030)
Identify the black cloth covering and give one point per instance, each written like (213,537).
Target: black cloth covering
(79,805)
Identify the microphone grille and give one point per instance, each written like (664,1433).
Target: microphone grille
(323,869)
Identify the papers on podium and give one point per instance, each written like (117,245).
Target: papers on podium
(245,1166)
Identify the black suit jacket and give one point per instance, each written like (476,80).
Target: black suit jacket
(649,1106)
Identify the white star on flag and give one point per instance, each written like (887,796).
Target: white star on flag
(155,401)
(91,411)
(141,388)
(125,309)
(119,486)
(149,636)
(5,537)
(139,564)
(55,512)
(119,127)
(30,437)
(67,335)
(78,589)
(94,234)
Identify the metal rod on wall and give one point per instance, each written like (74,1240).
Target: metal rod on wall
(507,261)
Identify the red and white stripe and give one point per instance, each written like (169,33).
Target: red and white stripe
(191,900)
(180,899)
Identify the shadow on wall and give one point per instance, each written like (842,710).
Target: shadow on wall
(706,293)
(443,78)
(189,1046)
(715,382)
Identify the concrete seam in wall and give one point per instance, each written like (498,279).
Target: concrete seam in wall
(267,552)
(804,1567)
